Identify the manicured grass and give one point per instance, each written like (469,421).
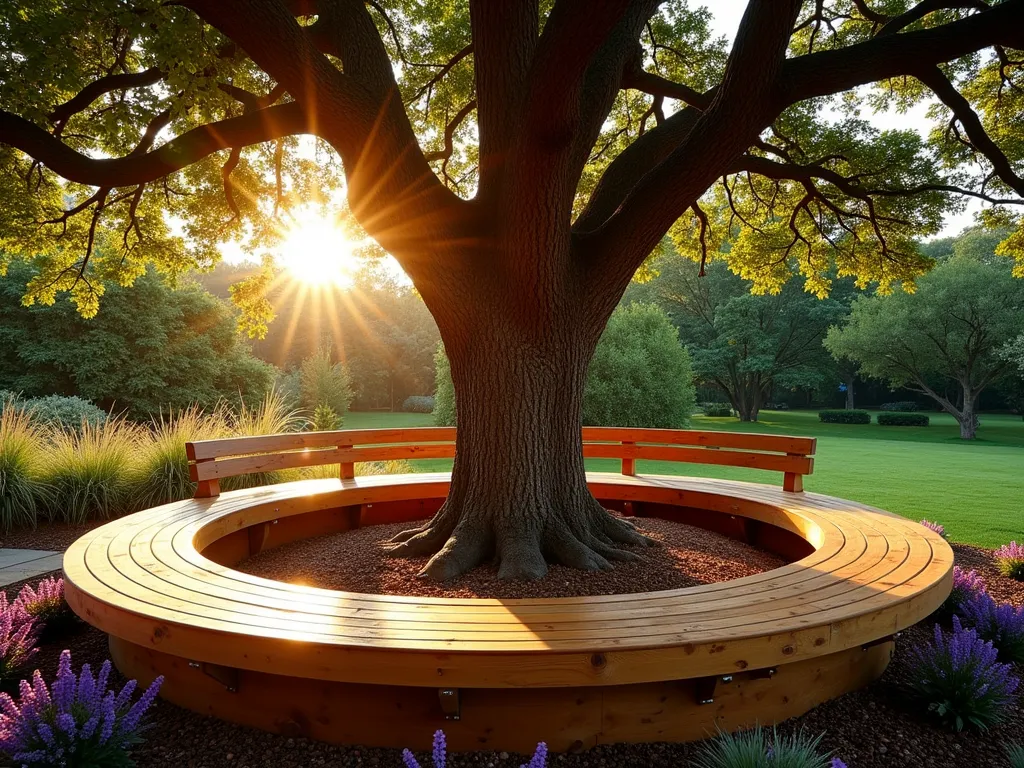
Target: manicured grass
(975,489)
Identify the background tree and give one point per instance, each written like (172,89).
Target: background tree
(640,375)
(153,347)
(746,344)
(583,132)
(324,383)
(954,326)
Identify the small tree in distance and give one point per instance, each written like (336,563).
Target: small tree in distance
(322,382)
(953,327)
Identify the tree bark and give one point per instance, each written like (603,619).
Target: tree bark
(849,393)
(968,417)
(518,495)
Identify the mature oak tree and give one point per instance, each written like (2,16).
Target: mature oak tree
(520,159)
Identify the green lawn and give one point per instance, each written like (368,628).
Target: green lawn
(975,489)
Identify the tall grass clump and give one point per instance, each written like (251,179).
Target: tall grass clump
(92,471)
(271,417)
(163,474)
(21,453)
(759,748)
(1015,754)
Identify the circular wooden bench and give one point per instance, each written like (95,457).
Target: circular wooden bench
(389,670)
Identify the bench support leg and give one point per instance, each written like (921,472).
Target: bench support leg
(226,676)
(793,483)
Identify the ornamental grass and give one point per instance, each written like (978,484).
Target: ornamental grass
(759,748)
(22,488)
(271,417)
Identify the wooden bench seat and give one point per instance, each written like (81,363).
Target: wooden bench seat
(343,665)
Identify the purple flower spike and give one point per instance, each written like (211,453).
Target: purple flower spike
(837,763)
(74,719)
(966,585)
(1002,625)
(440,753)
(934,527)
(540,757)
(409,760)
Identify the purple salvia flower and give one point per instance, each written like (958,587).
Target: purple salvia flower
(1001,624)
(131,719)
(39,689)
(125,695)
(540,757)
(440,753)
(46,734)
(66,722)
(90,726)
(409,759)
(966,584)
(86,686)
(46,600)
(64,687)
(108,712)
(934,527)
(837,763)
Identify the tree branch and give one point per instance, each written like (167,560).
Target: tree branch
(97,88)
(980,139)
(266,124)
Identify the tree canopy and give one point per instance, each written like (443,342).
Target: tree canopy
(956,326)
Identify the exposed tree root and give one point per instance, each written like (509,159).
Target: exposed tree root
(522,545)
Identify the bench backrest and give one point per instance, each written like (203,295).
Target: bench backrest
(211,460)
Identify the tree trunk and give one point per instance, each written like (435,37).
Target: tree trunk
(748,403)
(968,417)
(849,393)
(518,494)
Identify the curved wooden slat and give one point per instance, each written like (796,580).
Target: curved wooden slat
(143,579)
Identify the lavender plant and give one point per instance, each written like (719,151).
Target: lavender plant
(45,603)
(759,748)
(1010,560)
(966,585)
(78,723)
(1000,624)
(960,682)
(439,754)
(935,527)
(17,638)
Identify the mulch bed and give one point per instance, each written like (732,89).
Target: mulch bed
(356,561)
(55,537)
(872,728)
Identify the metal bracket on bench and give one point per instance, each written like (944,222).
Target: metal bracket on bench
(226,676)
(887,639)
(705,687)
(451,704)
(762,674)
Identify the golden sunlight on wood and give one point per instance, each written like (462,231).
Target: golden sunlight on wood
(316,251)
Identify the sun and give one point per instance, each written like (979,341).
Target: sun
(316,251)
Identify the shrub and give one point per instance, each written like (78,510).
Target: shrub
(92,471)
(640,375)
(844,417)
(966,585)
(17,638)
(64,412)
(444,393)
(322,382)
(960,682)
(163,474)
(325,419)
(46,605)
(717,409)
(901,406)
(418,404)
(79,719)
(758,748)
(1015,754)
(903,419)
(1010,560)
(1000,624)
(935,528)
(21,456)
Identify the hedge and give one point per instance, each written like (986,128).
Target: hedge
(716,409)
(903,419)
(901,405)
(418,404)
(844,417)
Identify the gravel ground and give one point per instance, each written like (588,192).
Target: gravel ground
(356,561)
(51,536)
(876,727)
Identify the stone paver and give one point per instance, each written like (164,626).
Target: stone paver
(19,564)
